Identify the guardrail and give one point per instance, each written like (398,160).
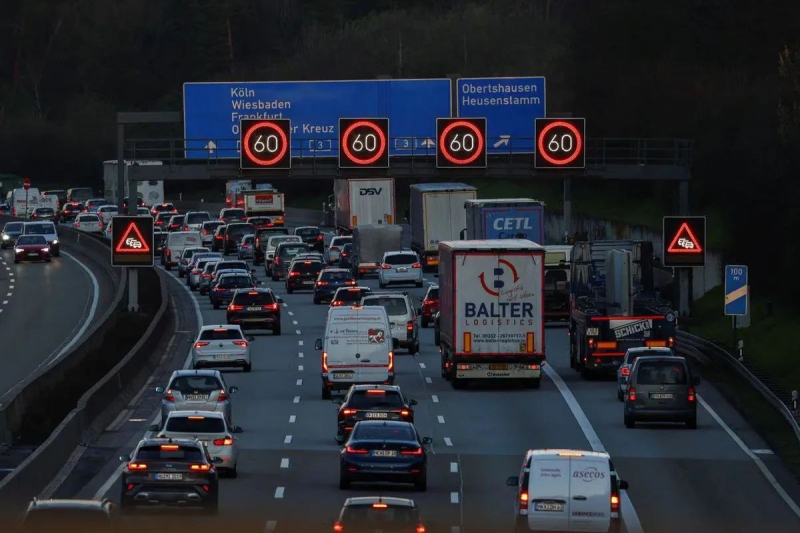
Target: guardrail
(697,347)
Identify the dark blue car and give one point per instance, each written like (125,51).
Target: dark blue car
(329,280)
(222,293)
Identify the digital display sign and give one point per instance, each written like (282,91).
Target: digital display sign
(132,241)
(461,143)
(363,143)
(265,144)
(560,143)
(684,241)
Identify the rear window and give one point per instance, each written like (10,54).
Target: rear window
(74,207)
(433,294)
(192,384)
(39,229)
(292,250)
(13,226)
(632,356)
(275,241)
(222,334)
(233,213)
(307,232)
(211,226)
(197,218)
(373,431)
(176,219)
(393,306)
(401,259)
(88,218)
(236,282)
(44,211)
(189,252)
(389,520)
(341,241)
(209,268)
(195,424)
(183,453)
(232,265)
(661,373)
(237,231)
(336,276)
(31,239)
(366,399)
(163,216)
(264,234)
(307,267)
(349,295)
(253,298)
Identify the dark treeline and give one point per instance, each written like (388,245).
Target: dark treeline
(725,73)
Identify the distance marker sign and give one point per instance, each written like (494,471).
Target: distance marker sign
(560,143)
(460,143)
(684,241)
(132,241)
(265,144)
(363,143)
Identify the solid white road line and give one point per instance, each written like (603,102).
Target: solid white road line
(285,463)
(110,481)
(92,310)
(279,493)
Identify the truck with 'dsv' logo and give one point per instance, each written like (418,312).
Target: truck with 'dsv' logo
(363,201)
(505,218)
(491,304)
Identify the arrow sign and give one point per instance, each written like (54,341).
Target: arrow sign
(504,139)
(428,143)
(211,146)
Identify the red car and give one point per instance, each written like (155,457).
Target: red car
(430,306)
(32,248)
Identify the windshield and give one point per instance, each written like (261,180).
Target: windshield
(190,384)
(31,239)
(307,267)
(87,218)
(39,229)
(336,276)
(233,213)
(13,226)
(307,232)
(373,399)
(292,250)
(44,211)
(253,298)
(235,282)
(350,295)
(232,265)
(237,231)
(340,241)
(393,306)
(275,241)
(195,424)
(221,334)
(433,294)
(661,373)
(400,259)
(156,453)
(381,432)
(197,218)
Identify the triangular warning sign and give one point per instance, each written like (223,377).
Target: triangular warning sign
(132,244)
(685,242)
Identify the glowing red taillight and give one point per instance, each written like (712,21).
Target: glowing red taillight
(294,274)
(321,283)
(201,468)
(222,396)
(348,412)
(416,265)
(338,528)
(421,529)
(691,395)
(386,267)
(233,307)
(227,441)
(272,307)
(391,361)
(200,344)
(410,325)
(416,452)
(614,503)
(357,451)
(240,343)
(324,361)
(523,500)
(632,394)
(169,396)
(625,371)
(137,466)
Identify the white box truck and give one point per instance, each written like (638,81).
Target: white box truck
(265,203)
(364,201)
(491,304)
(152,192)
(437,214)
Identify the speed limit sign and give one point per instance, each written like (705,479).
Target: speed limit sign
(460,143)
(363,142)
(265,144)
(560,143)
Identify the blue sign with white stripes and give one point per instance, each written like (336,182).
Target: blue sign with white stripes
(736,290)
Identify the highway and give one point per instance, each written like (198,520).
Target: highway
(680,480)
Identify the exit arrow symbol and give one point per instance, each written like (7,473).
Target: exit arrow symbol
(211,146)
(504,140)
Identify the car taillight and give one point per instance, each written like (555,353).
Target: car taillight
(195,271)
(233,307)
(523,500)
(240,343)
(34,215)
(336,303)
(277,260)
(334,248)
(218,237)
(348,412)
(219,289)
(227,441)
(169,252)
(325,361)
(358,451)
(294,274)
(592,344)
(391,361)
(632,394)
(201,468)
(206,275)
(428,302)
(319,237)
(77,224)
(272,307)
(405,413)
(410,325)
(137,466)
(625,371)
(691,396)
(421,529)
(614,503)
(349,282)
(671,342)
(321,283)
(186,228)
(386,267)
(222,396)
(416,265)
(416,452)
(200,344)
(338,528)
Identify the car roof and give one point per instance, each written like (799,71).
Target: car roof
(99,505)
(565,452)
(667,351)
(388,500)
(375,386)
(400,252)
(203,372)
(156,441)
(337,270)
(220,326)
(232,272)
(260,290)
(346,289)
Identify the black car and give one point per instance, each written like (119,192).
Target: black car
(227,284)
(234,234)
(9,235)
(44,213)
(661,389)
(139,203)
(71,516)
(373,402)
(302,275)
(384,451)
(329,280)
(162,219)
(256,309)
(169,472)
(232,214)
(175,223)
(349,296)
(284,253)
(312,236)
(379,513)
(346,256)
(262,236)
(219,238)
(70,211)
(160,240)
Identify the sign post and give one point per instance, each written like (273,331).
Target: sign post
(132,246)
(684,246)
(736,293)
(26,184)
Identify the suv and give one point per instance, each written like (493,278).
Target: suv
(284,253)
(430,306)
(255,309)
(232,214)
(208,229)
(262,239)
(70,211)
(312,236)
(228,284)
(70,516)
(196,390)
(171,472)
(333,250)
(302,275)
(193,220)
(624,370)
(400,267)
(234,235)
(372,402)
(379,513)
(661,389)
(402,318)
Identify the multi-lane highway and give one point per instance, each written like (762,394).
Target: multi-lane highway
(680,480)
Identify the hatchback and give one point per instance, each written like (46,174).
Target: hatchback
(255,309)
(303,275)
(400,267)
(329,280)
(661,389)
(222,345)
(162,219)
(372,402)
(284,253)
(349,296)
(186,258)
(262,238)
(346,257)
(107,212)
(175,223)
(246,245)
(206,277)
(43,213)
(379,513)
(211,429)
(31,248)
(196,390)
(48,231)
(312,236)
(70,211)
(232,214)
(234,235)
(90,223)
(333,251)
(163,208)
(208,230)
(227,284)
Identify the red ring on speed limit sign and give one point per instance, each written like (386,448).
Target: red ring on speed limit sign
(575,153)
(478,149)
(254,158)
(378,153)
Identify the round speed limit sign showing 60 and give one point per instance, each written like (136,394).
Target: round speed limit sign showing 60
(560,143)
(265,144)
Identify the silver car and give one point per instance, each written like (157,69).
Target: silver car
(194,271)
(193,220)
(334,249)
(196,390)
(624,370)
(186,257)
(209,427)
(222,345)
(402,318)
(246,246)
(400,267)
(206,276)
(269,251)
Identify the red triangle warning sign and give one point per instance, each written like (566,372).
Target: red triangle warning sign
(685,242)
(132,244)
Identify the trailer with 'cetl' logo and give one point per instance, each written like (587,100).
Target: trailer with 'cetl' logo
(491,303)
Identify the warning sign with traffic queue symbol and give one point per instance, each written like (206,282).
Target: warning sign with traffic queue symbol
(132,241)
(684,241)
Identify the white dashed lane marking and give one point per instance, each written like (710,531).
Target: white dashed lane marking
(453,497)
(292,419)
(294,322)
(435,398)
(428,380)
(279,493)
(422,366)
(287,439)
(440,418)
(285,463)
(297,399)
(447,441)
(299,382)
(454,468)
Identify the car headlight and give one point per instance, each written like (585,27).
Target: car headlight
(6,237)
(46,249)
(18,250)
(55,241)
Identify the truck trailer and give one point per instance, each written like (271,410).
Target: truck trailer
(152,191)
(437,214)
(508,218)
(491,306)
(370,242)
(363,201)
(264,203)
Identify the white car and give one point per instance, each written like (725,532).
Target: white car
(207,231)
(334,249)
(221,345)
(186,258)
(89,223)
(193,220)
(400,267)
(210,428)
(402,318)
(176,243)
(142,212)
(107,212)
(624,369)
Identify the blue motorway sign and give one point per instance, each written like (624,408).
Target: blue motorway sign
(510,106)
(212,112)
(736,290)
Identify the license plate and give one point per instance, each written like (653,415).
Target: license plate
(169,477)
(557,507)
(197,397)
(34,254)
(308,283)
(384,453)
(402,269)
(223,356)
(499,366)
(661,395)
(254,309)
(376,415)
(342,375)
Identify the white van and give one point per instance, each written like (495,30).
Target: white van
(24,202)
(567,490)
(357,348)
(176,242)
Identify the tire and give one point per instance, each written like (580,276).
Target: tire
(421,484)
(458,383)
(233,473)
(275,278)
(289,291)
(344,482)
(256,262)
(192,287)
(276,331)
(317,301)
(424,323)
(167,266)
(630,423)
(326,393)
(248,367)
(692,423)
(418,284)
(586,373)
(382,285)
(620,396)
(414,348)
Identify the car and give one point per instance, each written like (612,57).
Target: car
(567,490)
(162,219)
(186,257)
(31,248)
(245,249)
(142,211)
(206,276)
(70,211)
(175,223)
(226,284)
(221,345)
(193,220)
(44,213)
(169,472)
(624,370)
(232,214)
(94,203)
(79,194)
(309,256)
(400,268)
(255,309)
(11,230)
(197,390)
(209,427)
(176,243)
(219,238)
(139,203)
(89,223)
(48,230)
(349,296)
(661,389)
(260,222)
(346,256)
(430,306)
(372,402)
(229,264)
(284,253)
(302,275)
(194,269)
(379,513)
(234,234)
(334,249)
(388,451)
(312,236)
(329,281)
(269,251)
(70,516)
(107,212)
(159,240)
(208,230)
(262,237)
(164,208)
(5,209)
(402,317)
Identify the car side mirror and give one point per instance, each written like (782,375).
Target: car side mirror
(512,481)
(318,344)
(251,338)
(412,402)
(427,440)
(124,458)
(238,429)
(339,439)
(153,427)
(623,485)
(280,300)
(696,380)
(160,390)
(233,389)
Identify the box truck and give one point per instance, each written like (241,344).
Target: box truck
(152,192)
(491,305)
(370,242)
(521,218)
(437,214)
(364,201)
(264,203)
(233,192)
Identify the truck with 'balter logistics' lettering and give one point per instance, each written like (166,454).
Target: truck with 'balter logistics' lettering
(491,304)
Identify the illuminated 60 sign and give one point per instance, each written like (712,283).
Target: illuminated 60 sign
(560,143)
(461,143)
(363,142)
(265,144)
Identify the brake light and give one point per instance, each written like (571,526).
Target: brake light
(201,468)
(200,344)
(222,396)
(336,303)
(391,361)
(34,215)
(416,265)
(386,267)
(324,361)
(137,466)
(428,302)
(523,500)
(410,325)
(240,343)
(218,237)
(294,273)
(358,451)
(227,441)
(205,231)
(77,224)
(272,307)
(405,412)
(319,237)
(321,283)
(614,503)
(416,452)
(691,397)
(592,344)
(632,394)
(607,345)
(420,529)
(277,260)
(206,275)
(348,412)
(379,505)
(219,289)
(245,246)
(169,396)
(625,370)
(186,228)
(338,528)
(234,307)
(169,252)
(349,282)
(170,447)
(671,342)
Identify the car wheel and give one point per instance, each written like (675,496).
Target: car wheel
(167,266)
(344,482)
(419,284)
(326,393)
(414,348)
(248,367)
(424,323)
(275,278)
(586,373)
(630,423)
(192,287)
(215,305)
(289,290)
(692,422)
(620,396)
(382,285)
(234,472)
(316,301)
(458,383)
(421,483)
